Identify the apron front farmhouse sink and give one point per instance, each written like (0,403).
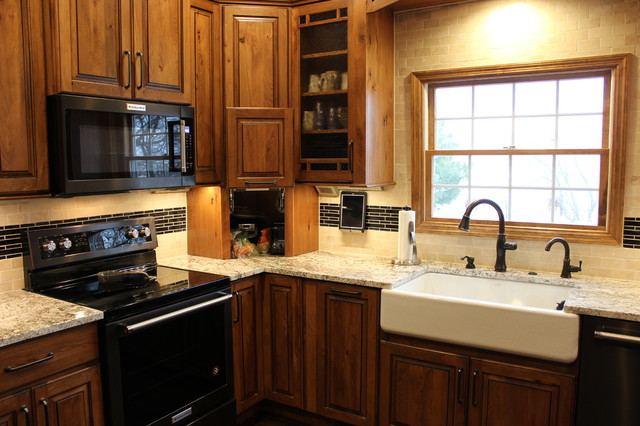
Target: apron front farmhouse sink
(501,315)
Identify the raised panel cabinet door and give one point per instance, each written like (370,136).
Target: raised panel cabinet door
(507,395)
(283,339)
(256,43)
(161,50)
(72,400)
(259,147)
(207,90)
(15,410)
(347,329)
(248,357)
(90,47)
(422,387)
(23,140)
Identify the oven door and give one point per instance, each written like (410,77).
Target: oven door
(171,366)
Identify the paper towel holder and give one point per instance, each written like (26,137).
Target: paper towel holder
(414,246)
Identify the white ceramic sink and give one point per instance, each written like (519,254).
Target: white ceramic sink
(501,315)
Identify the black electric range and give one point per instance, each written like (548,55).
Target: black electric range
(166,333)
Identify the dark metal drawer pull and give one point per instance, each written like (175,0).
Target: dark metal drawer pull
(270,182)
(27,414)
(459,391)
(473,389)
(45,404)
(9,369)
(350,293)
(616,337)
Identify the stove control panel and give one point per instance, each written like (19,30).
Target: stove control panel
(62,245)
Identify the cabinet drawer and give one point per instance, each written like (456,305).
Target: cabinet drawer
(33,360)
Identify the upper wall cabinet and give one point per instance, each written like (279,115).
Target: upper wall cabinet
(206,43)
(256,43)
(123,48)
(259,131)
(343,83)
(23,141)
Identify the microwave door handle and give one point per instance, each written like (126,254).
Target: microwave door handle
(183,147)
(172,154)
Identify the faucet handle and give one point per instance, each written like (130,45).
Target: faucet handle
(510,246)
(573,268)
(470,260)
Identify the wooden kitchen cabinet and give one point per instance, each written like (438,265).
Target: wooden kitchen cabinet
(350,139)
(259,147)
(23,143)
(421,387)
(256,54)
(283,339)
(259,122)
(248,345)
(123,48)
(71,400)
(341,350)
(53,380)
(425,386)
(206,27)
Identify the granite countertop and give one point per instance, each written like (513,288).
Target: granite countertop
(25,315)
(590,296)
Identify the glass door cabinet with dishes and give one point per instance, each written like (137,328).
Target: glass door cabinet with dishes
(343,64)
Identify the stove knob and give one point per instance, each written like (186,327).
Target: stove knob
(65,243)
(131,233)
(48,246)
(144,231)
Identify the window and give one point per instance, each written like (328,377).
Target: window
(543,140)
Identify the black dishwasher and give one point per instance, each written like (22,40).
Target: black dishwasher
(609,379)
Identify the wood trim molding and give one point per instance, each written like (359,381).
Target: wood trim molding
(608,234)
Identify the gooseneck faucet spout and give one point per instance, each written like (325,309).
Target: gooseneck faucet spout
(567,268)
(502,245)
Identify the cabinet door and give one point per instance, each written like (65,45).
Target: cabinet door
(23,141)
(72,400)
(259,147)
(90,47)
(247,342)
(422,387)
(256,42)
(507,395)
(15,410)
(283,339)
(161,50)
(207,90)
(346,335)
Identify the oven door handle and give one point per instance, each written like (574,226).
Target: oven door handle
(130,328)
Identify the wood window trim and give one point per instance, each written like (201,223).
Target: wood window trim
(610,233)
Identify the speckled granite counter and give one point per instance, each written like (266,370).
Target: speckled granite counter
(591,296)
(25,315)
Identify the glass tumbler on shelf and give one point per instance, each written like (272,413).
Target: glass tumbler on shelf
(320,121)
(343,117)
(332,117)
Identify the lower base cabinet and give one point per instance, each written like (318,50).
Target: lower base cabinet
(307,344)
(421,386)
(52,381)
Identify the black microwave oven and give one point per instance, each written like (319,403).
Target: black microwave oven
(100,145)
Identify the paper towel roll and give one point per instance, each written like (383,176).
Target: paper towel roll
(405,249)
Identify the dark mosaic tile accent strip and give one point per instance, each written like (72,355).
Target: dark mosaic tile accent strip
(631,233)
(378,218)
(13,238)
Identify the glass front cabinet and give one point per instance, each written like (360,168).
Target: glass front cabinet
(343,137)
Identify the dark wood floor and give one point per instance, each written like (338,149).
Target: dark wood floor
(268,419)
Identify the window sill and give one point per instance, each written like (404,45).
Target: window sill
(520,231)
